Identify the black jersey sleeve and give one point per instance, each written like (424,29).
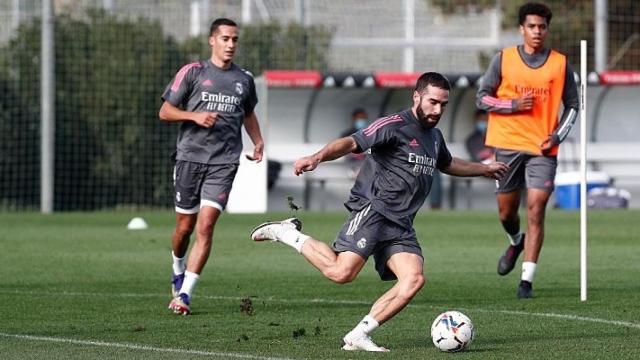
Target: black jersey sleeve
(252,99)
(379,133)
(444,156)
(176,93)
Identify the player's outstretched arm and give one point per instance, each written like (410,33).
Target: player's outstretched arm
(333,150)
(253,130)
(459,167)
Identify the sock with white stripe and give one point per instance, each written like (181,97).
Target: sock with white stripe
(190,280)
(366,326)
(293,238)
(515,239)
(528,271)
(178,264)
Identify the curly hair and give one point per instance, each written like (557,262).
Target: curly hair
(533,8)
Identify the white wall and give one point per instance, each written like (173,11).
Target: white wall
(619,120)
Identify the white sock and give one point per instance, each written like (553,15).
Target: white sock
(366,326)
(515,239)
(178,264)
(528,271)
(293,238)
(190,280)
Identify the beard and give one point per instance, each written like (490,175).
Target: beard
(428,121)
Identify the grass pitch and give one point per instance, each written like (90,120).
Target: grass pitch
(82,286)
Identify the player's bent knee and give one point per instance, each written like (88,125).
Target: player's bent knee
(412,284)
(184,230)
(418,282)
(205,229)
(339,276)
(508,216)
(535,216)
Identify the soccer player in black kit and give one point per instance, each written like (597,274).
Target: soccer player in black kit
(403,151)
(212,99)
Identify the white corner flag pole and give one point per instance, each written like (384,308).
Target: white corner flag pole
(583,170)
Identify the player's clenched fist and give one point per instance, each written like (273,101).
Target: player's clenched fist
(496,170)
(525,102)
(307,163)
(205,119)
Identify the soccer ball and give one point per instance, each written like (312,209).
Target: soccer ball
(452,331)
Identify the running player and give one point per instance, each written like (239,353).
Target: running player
(404,150)
(523,89)
(212,99)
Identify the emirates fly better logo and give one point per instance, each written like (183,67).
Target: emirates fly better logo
(221,102)
(422,164)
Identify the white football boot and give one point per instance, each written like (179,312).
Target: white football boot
(361,342)
(272,230)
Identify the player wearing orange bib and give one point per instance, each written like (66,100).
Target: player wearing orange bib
(522,90)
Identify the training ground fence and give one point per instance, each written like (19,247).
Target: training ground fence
(113,58)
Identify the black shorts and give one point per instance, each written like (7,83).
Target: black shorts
(198,185)
(532,171)
(367,232)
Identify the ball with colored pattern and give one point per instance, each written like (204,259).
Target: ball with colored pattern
(452,331)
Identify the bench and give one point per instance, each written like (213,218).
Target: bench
(338,170)
(621,161)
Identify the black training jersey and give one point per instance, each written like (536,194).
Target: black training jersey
(397,173)
(204,87)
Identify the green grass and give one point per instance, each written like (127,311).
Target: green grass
(84,287)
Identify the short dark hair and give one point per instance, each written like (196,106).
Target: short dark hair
(219,22)
(433,79)
(533,8)
(358,111)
